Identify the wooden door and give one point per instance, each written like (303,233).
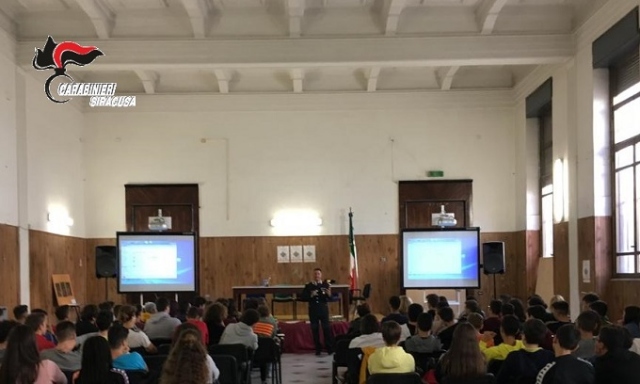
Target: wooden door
(178,201)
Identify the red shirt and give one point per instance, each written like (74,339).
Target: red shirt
(203,329)
(43,343)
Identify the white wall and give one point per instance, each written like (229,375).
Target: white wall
(285,158)
(55,161)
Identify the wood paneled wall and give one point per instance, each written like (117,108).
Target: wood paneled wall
(10,267)
(622,292)
(55,254)
(594,245)
(561,259)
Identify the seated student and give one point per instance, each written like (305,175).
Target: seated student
(395,315)
(508,331)
(370,335)
(148,310)
(193,316)
(566,368)
(464,359)
(104,319)
(477,321)
(48,334)
(614,363)
(122,358)
(266,326)
(523,365)
(214,317)
(188,360)
(38,323)
(413,312)
(438,324)
(601,308)
(354,325)
(97,364)
(560,311)
(445,315)
(161,325)
(423,341)
(242,332)
(492,321)
(87,323)
(22,363)
(631,320)
(586,301)
(5,327)
(20,313)
(391,358)
(538,312)
(432,302)
(587,324)
(136,338)
(62,314)
(470,306)
(63,354)
(405,302)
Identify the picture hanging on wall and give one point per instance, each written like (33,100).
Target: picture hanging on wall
(309,253)
(296,253)
(283,253)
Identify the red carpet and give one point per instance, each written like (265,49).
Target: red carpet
(298,337)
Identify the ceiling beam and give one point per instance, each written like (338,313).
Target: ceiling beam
(390,15)
(372,79)
(199,16)
(447,80)
(149,80)
(297,77)
(223,80)
(295,13)
(487,15)
(157,54)
(101,16)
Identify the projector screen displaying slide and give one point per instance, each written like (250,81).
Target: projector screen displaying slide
(156,262)
(441,258)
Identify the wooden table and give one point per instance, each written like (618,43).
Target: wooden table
(341,289)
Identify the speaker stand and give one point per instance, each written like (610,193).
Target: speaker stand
(495,288)
(106,289)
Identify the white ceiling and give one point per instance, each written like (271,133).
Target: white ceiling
(274,46)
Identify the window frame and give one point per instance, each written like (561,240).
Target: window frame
(545,120)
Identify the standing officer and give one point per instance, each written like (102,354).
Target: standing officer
(317,293)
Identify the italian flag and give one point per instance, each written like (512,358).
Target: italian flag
(353,270)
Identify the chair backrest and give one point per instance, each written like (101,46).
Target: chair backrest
(395,378)
(353,364)
(228,367)
(69,375)
(426,361)
(267,352)
(241,353)
(164,349)
(137,377)
(487,379)
(494,366)
(341,353)
(157,342)
(155,362)
(367,291)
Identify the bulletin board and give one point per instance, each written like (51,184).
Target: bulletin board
(63,290)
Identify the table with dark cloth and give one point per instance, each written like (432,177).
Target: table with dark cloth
(298,337)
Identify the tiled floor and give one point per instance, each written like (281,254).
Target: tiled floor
(302,368)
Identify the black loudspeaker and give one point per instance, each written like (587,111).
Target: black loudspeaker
(106,261)
(493,253)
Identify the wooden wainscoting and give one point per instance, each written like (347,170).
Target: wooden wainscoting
(594,245)
(55,254)
(10,258)
(561,259)
(622,292)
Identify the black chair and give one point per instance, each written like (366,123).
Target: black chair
(157,342)
(138,377)
(228,367)
(284,298)
(354,361)
(155,363)
(487,379)
(242,354)
(494,366)
(339,358)
(164,349)
(69,375)
(395,378)
(268,352)
(356,296)
(426,361)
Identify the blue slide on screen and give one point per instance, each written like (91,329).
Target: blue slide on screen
(156,263)
(441,259)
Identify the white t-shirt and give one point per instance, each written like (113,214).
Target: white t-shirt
(137,339)
(214,372)
(371,340)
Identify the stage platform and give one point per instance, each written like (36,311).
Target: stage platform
(298,337)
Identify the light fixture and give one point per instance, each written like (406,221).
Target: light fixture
(59,218)
(559,191)
(292,220)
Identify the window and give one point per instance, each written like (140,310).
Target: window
(546,181)
(625,148)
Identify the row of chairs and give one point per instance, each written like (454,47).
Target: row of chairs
(236,361)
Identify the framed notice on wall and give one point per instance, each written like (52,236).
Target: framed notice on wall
(63,290)
(296,253)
